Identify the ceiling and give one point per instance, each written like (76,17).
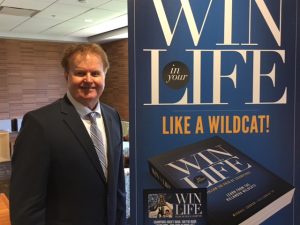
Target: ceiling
(64,20)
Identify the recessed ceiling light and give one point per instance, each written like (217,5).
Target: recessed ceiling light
(17,11)
(88,20)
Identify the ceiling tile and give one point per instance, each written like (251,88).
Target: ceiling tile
(62,11)
(65,28)
(116,6)
(36,25)
(8,22)
(28,4)
(96,16)
(106,26)
(88,3)
(63,18)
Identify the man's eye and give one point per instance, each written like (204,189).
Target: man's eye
(96,73)
(79,73)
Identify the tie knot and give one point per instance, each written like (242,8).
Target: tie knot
(92,116)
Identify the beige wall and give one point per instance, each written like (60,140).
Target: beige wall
(31,76)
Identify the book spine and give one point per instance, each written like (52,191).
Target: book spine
(159,177)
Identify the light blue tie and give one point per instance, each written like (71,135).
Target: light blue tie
(98,141)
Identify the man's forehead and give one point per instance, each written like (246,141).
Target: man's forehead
(80,57)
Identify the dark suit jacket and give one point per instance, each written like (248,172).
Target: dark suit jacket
(57,178)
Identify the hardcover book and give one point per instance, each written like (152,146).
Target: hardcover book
(175,206)
(239,190)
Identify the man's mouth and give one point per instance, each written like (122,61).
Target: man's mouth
(87,87)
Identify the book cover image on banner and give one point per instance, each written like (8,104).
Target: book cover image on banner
(175,206)
(209,71)
(240,191)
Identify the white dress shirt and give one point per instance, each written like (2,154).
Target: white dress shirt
(83,111)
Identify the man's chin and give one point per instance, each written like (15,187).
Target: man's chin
(91,94)
(90,98)
(87,97)
(89,102)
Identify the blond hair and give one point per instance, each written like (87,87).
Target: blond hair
(84,49)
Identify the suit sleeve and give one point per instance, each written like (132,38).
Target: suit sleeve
(30,162)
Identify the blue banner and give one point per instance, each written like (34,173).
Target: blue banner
(226,68)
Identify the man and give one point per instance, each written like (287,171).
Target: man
(67,167)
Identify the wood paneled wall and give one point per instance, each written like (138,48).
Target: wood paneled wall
(31,76)
(116,90)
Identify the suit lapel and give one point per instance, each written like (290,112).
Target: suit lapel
(110,154)
(75,124)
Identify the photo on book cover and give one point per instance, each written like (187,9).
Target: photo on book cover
(175,206)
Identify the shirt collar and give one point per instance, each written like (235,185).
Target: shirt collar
(81,109)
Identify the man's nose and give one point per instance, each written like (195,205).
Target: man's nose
(88,77)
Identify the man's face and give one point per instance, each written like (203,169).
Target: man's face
(86,78)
